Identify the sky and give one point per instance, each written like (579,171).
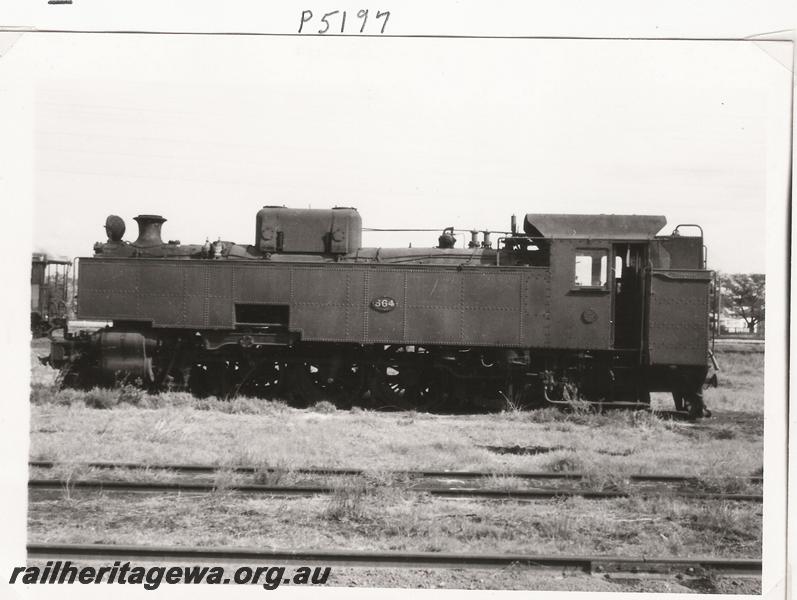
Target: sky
(414,133)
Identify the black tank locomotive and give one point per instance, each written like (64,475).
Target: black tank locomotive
(587,308)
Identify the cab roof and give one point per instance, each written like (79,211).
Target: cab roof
(614,227)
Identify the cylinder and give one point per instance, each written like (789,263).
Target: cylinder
(124,354)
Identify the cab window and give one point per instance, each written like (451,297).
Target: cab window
(591,268)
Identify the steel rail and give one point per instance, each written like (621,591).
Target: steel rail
(153,487)
(587,564)
(427,474)
(751,341)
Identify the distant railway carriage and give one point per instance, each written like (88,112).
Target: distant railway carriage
(596,308)
(49,292)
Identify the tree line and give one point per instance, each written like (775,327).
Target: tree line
(742,295)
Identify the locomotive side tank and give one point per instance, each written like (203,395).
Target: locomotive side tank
(590,307)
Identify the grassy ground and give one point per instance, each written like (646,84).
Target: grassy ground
(283,438)
(126,425)
(389,518)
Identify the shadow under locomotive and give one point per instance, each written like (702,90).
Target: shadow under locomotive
(573,309)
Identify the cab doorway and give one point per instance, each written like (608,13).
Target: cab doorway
(629,284)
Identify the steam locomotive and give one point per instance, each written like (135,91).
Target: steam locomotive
(572,308)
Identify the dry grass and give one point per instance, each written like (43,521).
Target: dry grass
(324,406)
(349,502)
(388,518)
(741,381)
(281,439)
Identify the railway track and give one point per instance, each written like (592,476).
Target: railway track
(586,564)
(410,474)
(192,487)
(749,341)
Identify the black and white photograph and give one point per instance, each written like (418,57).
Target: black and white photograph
(342,306)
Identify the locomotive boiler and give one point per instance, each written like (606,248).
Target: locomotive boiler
(570,308)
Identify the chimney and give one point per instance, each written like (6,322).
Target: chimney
(149,231)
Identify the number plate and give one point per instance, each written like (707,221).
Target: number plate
(383,304)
